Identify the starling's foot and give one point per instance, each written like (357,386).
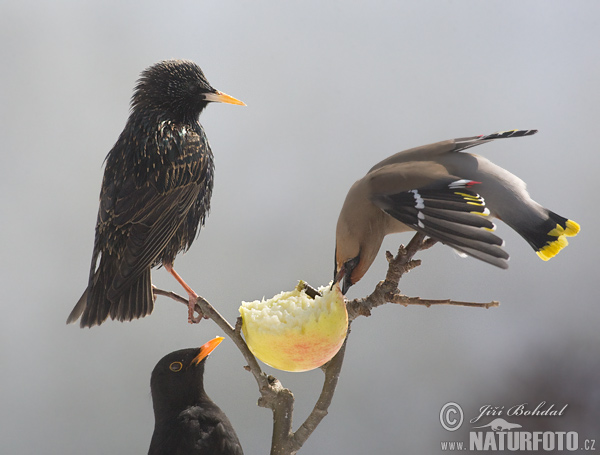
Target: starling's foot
(192,296)
(192,308)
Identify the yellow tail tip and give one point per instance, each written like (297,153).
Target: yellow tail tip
(572,228)
(551,249)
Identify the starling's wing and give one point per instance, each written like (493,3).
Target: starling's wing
(153,200)
(153,219)
(134,225)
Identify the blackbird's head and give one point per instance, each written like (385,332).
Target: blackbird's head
(177,87)
(177,380)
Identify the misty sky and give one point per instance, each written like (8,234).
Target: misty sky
(331,88)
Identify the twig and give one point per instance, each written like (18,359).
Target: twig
(171,295)
(332,373)
(387,291)
(204,307)
(405,301)
(273,395)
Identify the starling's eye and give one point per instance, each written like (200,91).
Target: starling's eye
(193,88)
(176,366)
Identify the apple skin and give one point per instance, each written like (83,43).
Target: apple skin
(296,348)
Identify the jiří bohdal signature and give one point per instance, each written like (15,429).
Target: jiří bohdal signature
(523,409)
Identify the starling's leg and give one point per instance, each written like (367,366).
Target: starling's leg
(192,296)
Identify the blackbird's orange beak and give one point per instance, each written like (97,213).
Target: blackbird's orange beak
(207,349)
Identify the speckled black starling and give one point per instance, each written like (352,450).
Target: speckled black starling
(186,420)
(155,193)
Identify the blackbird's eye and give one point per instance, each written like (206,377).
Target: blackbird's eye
(176,366)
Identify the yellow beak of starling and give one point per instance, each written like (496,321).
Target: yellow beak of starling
(220,97)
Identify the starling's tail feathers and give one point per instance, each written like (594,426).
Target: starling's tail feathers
(79,307)
(97,305)
(548,238)
(136,302)
(94,307)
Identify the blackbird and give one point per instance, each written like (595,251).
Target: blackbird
(186,419)
(155,193)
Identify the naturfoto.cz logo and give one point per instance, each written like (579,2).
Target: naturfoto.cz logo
(501,434)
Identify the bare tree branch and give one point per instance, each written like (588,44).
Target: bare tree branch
(332,371)
(406,300)
(203,307)
(281,400)
(273,395)
(387,290)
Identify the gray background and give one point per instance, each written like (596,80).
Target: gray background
(332,88)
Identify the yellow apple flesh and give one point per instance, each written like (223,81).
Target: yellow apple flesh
(293,331)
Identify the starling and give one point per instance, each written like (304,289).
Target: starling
(449,196)
(155,193)
(186,420)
